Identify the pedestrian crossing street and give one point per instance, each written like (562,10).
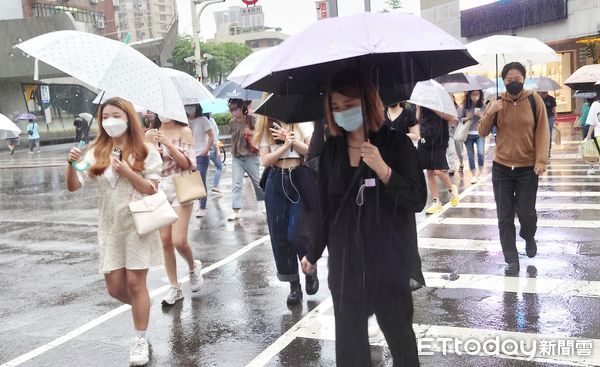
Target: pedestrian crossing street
(469,300)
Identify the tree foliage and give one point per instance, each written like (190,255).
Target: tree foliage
(393,4)
(225,56)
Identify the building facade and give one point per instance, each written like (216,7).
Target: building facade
(139,20)
(572,28)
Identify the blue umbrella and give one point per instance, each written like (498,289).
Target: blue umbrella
(26,116)
(231,89)
(216,106)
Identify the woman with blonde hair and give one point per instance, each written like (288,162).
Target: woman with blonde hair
(175,144)
(124,167)
(282,150)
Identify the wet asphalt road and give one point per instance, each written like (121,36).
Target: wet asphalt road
(56,311)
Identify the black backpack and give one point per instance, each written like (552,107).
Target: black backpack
(533,105)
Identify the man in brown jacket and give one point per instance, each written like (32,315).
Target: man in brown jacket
(522,143)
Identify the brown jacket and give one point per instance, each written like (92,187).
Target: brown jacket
(517,145)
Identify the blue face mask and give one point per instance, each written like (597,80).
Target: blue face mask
(349,120)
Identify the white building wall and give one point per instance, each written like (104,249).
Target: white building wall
(11,9)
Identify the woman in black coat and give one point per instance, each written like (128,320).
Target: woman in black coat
(370,191)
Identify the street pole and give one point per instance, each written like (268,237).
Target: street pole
(333,8)
(196,30)
(367,5)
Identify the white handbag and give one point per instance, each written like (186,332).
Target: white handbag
(151,213)
(462,131)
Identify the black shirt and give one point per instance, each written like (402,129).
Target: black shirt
(550,103)
(406,120)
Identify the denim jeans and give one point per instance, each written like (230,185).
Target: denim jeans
(551,125)
(250,165)
(473,140)
(515,190)
(202,166)
(282,201)
(218,167)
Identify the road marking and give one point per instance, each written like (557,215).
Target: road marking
(52,222)
(540,223)
(563,206)
(568,169)
(454,244)
(322,327)
(589,177)
(121,309)
(548,193)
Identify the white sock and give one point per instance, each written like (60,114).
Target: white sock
(141,333)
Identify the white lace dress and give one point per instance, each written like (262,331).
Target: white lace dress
(119,246)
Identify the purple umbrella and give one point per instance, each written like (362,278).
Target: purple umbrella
(395,50)
(26,116)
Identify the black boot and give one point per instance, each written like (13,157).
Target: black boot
(531,248)
(295,296)
(512,269)
(312,283)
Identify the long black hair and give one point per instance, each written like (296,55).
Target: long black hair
(198,111)
(469,102)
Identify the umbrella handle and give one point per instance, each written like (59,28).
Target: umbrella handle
(83,166)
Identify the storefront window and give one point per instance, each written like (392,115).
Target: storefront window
(63,101)
(559,72)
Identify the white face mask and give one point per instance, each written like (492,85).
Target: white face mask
(190,110)
(114,127)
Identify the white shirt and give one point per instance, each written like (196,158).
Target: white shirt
(305,129)
(200,127)
(593,117)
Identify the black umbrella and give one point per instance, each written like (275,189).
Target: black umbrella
(231,89)
(292,108)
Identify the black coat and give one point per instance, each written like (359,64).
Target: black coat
(372,248)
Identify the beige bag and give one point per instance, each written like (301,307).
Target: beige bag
(189,186)
(589,150)
(152,212)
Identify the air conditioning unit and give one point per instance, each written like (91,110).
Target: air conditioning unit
(94,1)
(100,23)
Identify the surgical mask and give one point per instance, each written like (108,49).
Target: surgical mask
(514,88)
(114,127)
(349,120)
(190,110)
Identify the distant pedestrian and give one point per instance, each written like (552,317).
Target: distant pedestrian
(122,165)
(174,142)
(215,155)
(521,155)
(34,137)
(432,154)
(593,123)
(369,193)
(583,114)
(402,116)
(550,103)
(454,152)
(204,138)
(471,111)
(78,132)
(12,144)
(245,155)
(283,147)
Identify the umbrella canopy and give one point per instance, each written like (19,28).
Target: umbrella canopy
(103,97)
(543,84)
(292,108)
(432,95)
(111,66)
(26,116)
(214,106)
(189,88)
(583,94)
(249,66)
(231,89)
(505,49)
(8,129)
(584,78)
(86,116)
(473,82)
(368,42)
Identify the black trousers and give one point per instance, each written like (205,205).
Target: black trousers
(395,321)
(515,190)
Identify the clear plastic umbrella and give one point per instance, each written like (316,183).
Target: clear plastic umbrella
(434,96)
(8,129)
(110,66)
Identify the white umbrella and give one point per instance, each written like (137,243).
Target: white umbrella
(190,89)
(501,50)
(544,84)
(103,97)
(249,65)
(432,95)
(86,116)
(111,66)
(584,78)
(8,129)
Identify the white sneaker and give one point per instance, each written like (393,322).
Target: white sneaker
(474,180)
(591,172)
(172,296)
(196,278)
(138,354)
(373,326)
(200,213)
(233,216)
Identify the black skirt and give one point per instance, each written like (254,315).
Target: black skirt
(432,156)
